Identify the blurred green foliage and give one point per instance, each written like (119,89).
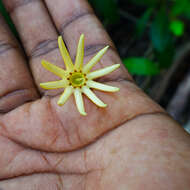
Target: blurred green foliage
(165,21)
(177,27)
(142,22)
(108,9)
(141,66)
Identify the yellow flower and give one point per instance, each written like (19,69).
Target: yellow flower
(77,78)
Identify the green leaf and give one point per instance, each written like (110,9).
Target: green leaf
(180,7)
(177,27)
(165,58)
(142,22)
(141,66)
(160,33)
(106,8)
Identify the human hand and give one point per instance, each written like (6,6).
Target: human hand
(131,144)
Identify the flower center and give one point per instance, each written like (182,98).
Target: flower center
(77,79)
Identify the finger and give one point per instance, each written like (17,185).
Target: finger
(38,36)
(73,18)
(16,84)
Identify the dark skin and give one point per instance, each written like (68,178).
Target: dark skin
(132,144)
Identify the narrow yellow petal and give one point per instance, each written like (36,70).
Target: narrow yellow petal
(80,53)
(54,84)
(102,87)
(65,96)
(102,72)
(65,54)
(79,101)
(93,97)
(54,69)
(94,60)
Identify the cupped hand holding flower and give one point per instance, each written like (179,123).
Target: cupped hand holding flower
(131,144)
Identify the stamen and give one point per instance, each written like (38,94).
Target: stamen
(77,79)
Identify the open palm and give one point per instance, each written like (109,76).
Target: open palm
(43,145)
